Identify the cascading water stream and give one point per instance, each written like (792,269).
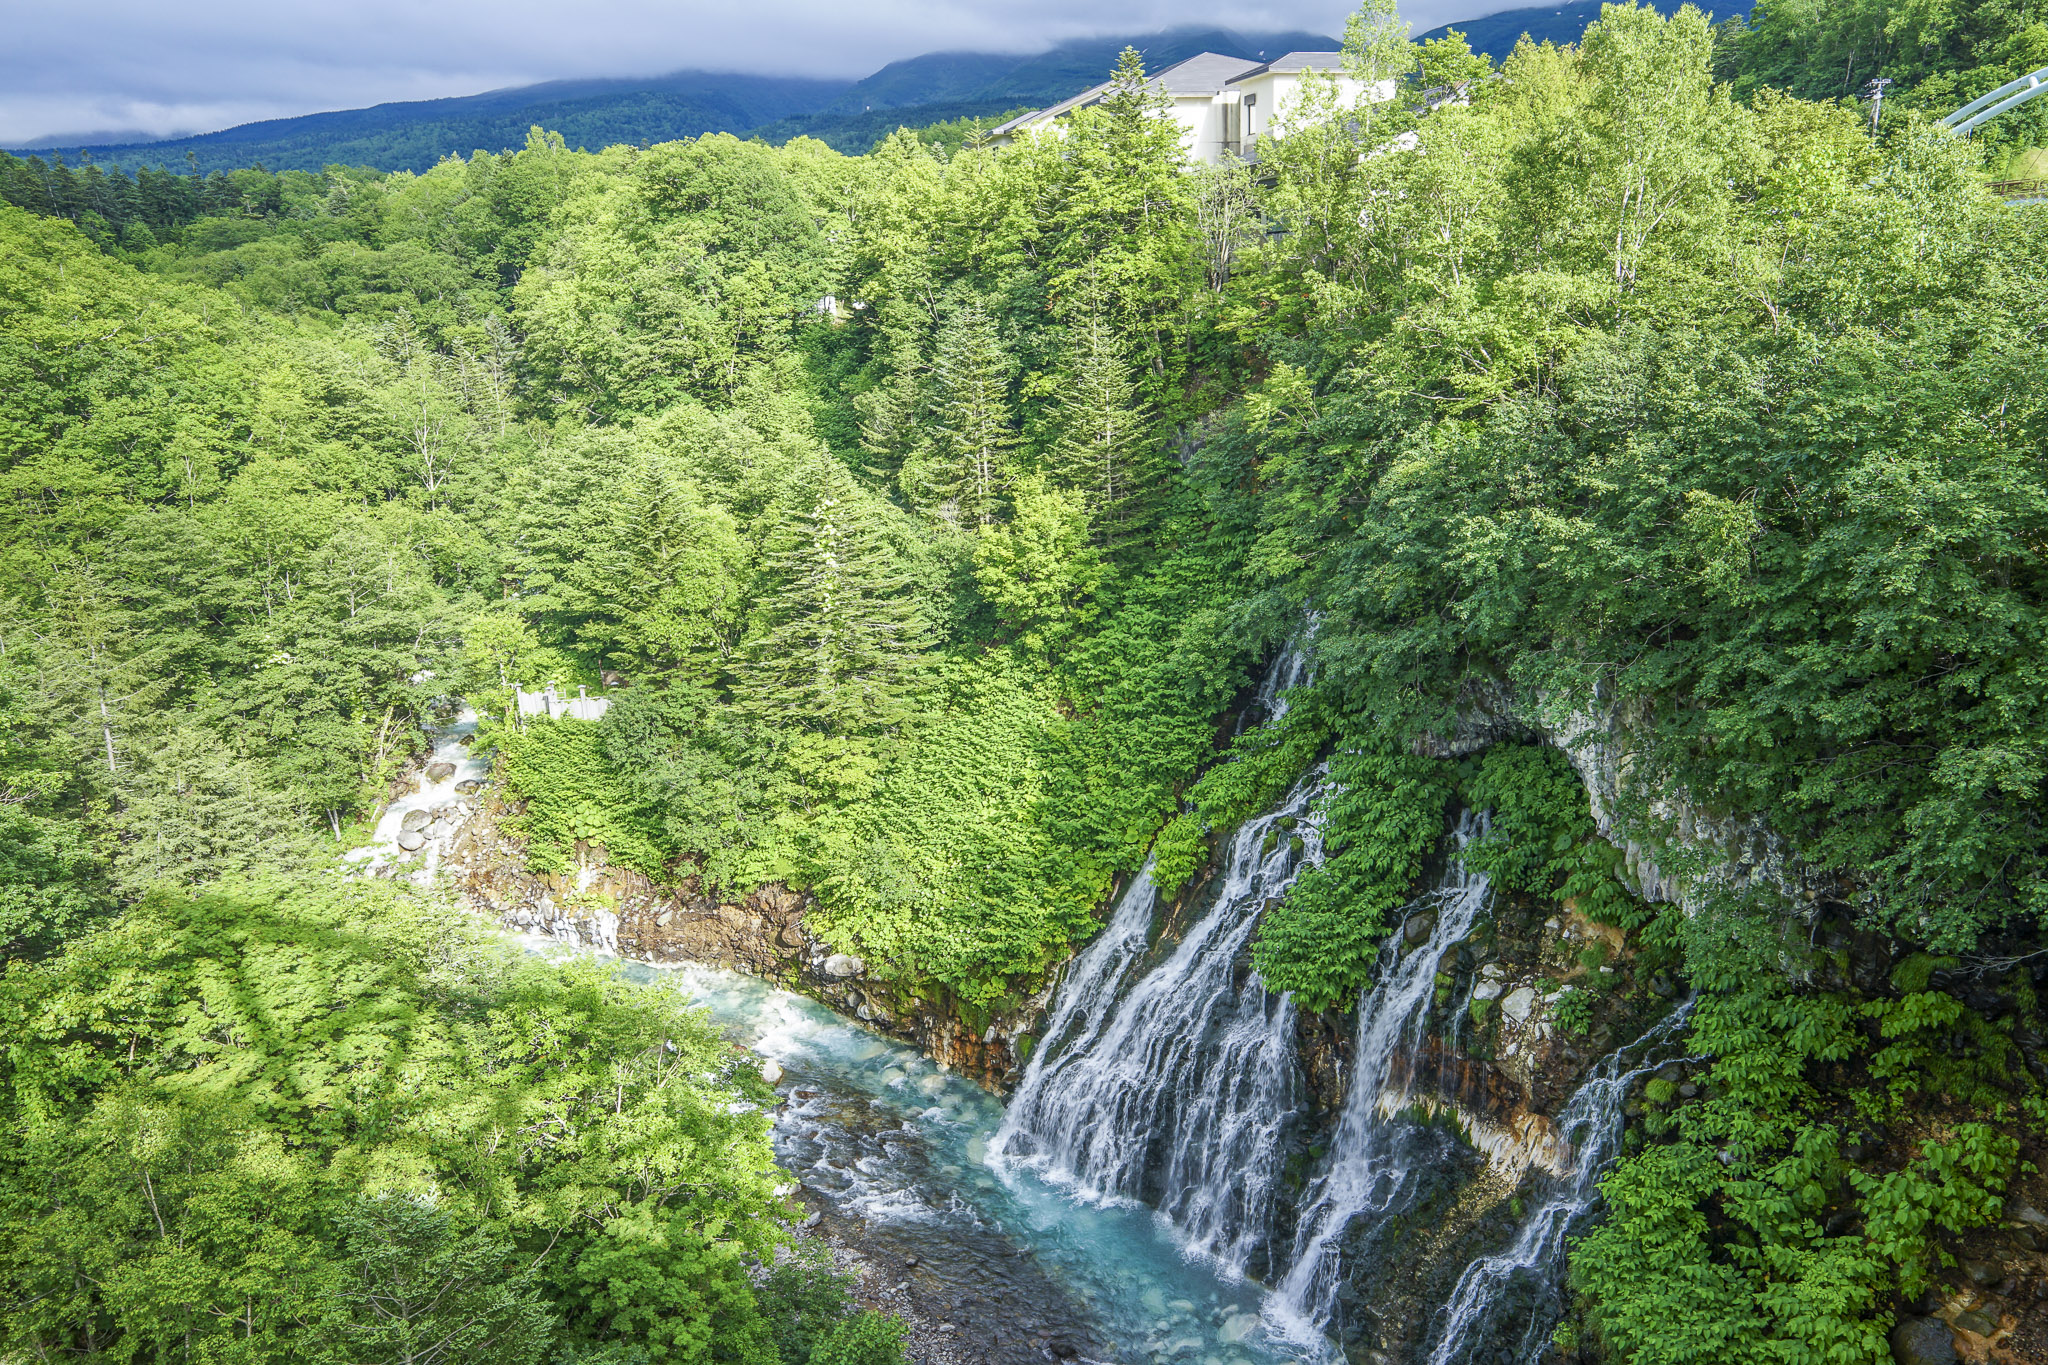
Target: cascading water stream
(1371,1165)
(1174,1088)
(425,820)
(1173,1085)
(1490,1307)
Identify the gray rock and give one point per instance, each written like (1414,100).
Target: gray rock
(844,964)
(1415,930)
(1519,1003)
(469,786)
(413,819)
(1983,1273)
(440,772)
(1923,1341)
(1978,1321)
(411,840)
(1487,990)
(2020,1211)
(771,1070)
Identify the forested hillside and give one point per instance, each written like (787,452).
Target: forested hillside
(1495,35)
(850,115)
(934,511)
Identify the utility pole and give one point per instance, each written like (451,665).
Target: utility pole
(1876,87)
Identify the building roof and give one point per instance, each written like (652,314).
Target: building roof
(1205,73)
(1293,62)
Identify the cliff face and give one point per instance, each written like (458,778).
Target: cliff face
(1482,1086)
(1674,848)
(626,913)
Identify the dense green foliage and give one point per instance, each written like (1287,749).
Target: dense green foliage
(933,510)
(1937,59)
(1770,1219)
(273,1122)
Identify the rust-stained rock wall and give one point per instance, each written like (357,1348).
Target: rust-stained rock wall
(624,912)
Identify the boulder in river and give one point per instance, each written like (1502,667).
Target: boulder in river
(440,772)
(411,840)
(413,819)
(1415,930)
(469,786)
(1923,1341)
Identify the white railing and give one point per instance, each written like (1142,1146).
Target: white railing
(1997,102)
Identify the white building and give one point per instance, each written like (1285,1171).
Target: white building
(557,706)
(1223,104)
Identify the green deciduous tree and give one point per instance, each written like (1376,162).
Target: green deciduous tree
(1038,569)
(416,1289)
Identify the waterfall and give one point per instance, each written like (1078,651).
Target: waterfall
(1371,1165)
(1174,1088)
(1172,1084)
(424,823)
(1592,1123)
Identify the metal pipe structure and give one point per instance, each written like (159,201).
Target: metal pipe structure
(1997,102)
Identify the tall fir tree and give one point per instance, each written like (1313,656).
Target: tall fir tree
(962,471)
(837,640)
(1119,221)
(668,585)
(1104,446)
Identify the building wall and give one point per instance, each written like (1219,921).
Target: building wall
(1202,118)
(1201,121)
(1280,97)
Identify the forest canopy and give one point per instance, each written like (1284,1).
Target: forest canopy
(934,512)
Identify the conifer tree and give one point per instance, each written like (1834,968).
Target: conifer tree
(837,640)
(960,473)
(668,581)
(892,417)
(1103,448)
(1118,222)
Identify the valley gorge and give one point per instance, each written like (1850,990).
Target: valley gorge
(1391,1191)
(1369,705)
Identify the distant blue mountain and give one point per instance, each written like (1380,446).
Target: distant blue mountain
(850,115)
(1497,34)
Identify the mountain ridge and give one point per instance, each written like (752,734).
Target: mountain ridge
(1496,34)
(600,111)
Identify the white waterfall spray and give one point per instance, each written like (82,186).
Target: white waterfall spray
(1592,1123)
(1367,1173)
(1173,1085)
(423,823)
(1175,1091)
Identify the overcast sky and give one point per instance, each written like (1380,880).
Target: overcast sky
(92,66)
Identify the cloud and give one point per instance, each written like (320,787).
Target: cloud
(166,69)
